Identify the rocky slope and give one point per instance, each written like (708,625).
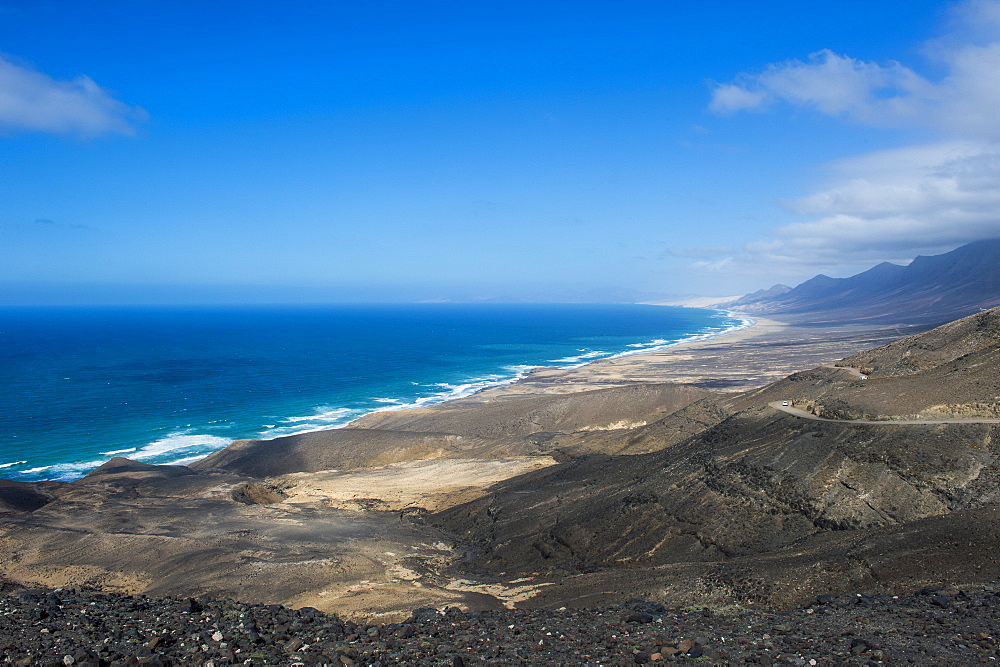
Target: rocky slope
(512,427)
(666,492)
(761,485)
(950,371)
(68,627)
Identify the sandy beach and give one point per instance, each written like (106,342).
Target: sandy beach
(331,533)
(763,352)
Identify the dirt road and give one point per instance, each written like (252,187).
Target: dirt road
(796,412)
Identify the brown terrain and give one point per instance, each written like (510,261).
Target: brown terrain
(666,476)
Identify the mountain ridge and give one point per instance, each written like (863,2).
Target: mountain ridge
(930,290)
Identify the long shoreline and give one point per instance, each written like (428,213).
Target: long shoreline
(631,358)
(620,369)
(748,356)
(509,385)
(737,360)
(331,535)
(476,389)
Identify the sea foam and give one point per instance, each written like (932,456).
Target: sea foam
(587,355)
(116,452)
(328,417)
(64,471)
(284,371)
(163,450)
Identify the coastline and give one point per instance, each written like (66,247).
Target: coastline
(737,360)
(477,390)
(751,354)
(567,379)
(324,514)
(189,428)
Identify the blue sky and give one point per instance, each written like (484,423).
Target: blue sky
(158,151)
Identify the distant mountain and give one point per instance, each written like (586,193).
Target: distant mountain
(930,290)
(761,295)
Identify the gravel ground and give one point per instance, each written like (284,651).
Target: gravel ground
(69,627)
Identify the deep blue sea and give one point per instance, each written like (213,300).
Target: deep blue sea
(170,385)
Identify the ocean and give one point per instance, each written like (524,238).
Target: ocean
(172,384)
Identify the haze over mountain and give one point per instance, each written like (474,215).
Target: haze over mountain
(930,290)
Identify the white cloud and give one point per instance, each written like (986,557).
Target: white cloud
(832,84)
(889,206)
(35,102)
(895,204)
(727,98)
(716,266)
(963,102)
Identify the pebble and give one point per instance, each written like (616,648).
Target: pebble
(111,630)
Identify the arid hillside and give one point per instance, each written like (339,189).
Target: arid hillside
(761,484)
(665,491)
(510,427)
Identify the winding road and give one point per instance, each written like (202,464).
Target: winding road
(796,412)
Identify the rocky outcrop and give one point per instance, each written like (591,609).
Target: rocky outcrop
(257,493)
(22,497)
(756,482)
(940,347)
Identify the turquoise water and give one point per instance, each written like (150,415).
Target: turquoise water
(170,385)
